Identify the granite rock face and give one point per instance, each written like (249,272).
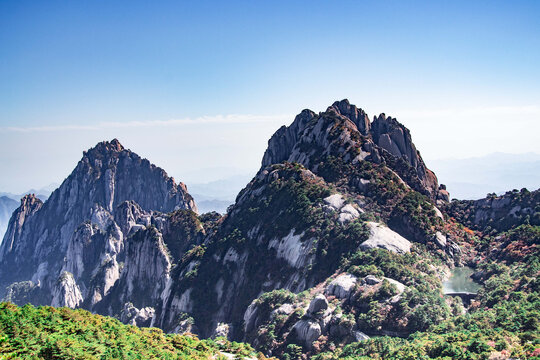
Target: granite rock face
(97,242)
(500,212)
(396,139)
(14,239)
(384,238)
(7,206)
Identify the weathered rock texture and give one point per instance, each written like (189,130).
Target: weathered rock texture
(100,233)
(7,206)
(342,127)
(120,238)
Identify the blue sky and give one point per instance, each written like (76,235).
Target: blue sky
(173,80)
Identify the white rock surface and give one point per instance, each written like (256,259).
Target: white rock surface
(222,330)
(440,239)
(336,201)
(348,213)
(360,336)
(292,249)
(342,286)
(285,309)
(66,292)
(318,303)
(138,317)
(383,237)
(399,286)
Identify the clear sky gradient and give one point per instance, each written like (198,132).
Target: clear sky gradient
(202,84)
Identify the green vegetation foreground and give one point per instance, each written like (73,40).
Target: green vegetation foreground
(45,332)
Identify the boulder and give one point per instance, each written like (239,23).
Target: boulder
(360,336)
(362,184)
(342,286)
(335,201)
(318,303)
(372,280)
(285,309)
(307,332)
(384,238)
(348,213)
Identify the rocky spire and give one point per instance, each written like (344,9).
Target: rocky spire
(30,204)
(282,143)
(394,137)
(356,115)
(40,235)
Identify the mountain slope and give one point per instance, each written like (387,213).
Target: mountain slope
(50,333)
(329,187)
(337,238)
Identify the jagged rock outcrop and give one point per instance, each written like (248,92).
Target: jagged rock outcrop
(344,131)
(395,138)
(98,241)
(356,115)
(7,206)
(13,238)
(139,317)
(66,292)
(498,212)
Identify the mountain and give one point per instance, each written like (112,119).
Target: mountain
(7,205)
(330,184)
(345,234)
(498,213)
(337,248)
(72,249)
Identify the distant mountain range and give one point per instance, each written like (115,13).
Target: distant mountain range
(217,195)
(473,178)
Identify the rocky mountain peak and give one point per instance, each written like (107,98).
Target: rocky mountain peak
(111,194)
(356,115)
(343,131)
(30,203)
(105,147)
(117,174)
